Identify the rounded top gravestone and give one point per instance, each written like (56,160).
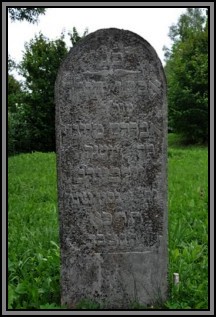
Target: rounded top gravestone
(111,134)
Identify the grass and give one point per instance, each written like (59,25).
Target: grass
(33,244)
(188,225)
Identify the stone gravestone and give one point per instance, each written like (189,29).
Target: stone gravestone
(111,131)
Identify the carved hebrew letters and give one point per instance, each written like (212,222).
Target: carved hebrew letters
(111,156)
(94,149)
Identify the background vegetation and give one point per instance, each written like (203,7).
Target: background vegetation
(187,76)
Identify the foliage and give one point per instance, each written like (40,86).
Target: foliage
(14,91)
(33,241)
(19,130)
(39,67)
(14,86)
(17,120)
(187,75)
(29,14)
(75,36)
(11,64)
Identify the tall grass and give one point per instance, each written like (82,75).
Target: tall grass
(188,225)
(33,244)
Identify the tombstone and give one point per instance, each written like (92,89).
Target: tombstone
(111,138)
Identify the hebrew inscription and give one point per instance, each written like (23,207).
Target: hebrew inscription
(111,122)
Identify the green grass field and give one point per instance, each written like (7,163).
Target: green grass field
(33,245)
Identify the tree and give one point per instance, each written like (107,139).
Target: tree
(18,124)
(29,14)
(39,67)
(18,129)
(187,75)
(75,36)
(14,87)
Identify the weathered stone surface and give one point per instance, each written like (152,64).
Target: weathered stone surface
(111,130)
